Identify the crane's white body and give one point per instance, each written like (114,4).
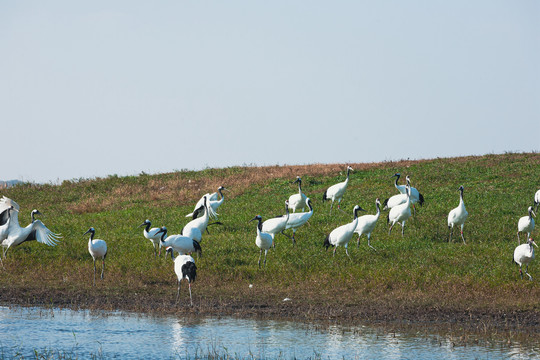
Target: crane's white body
(184,268)
(298,201)
(214,202)
(263,240)
(152,235)
(296,220)
(335,192)
(193,232)
(181,244)
(394,201)
(526,223)
(366,224)
(457,216)
(523,255)
(277,224)
(537,199)
(98,250)
(341,235)
(400,214)
(14,235)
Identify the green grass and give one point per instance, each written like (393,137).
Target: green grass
(418,270)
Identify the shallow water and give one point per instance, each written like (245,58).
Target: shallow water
(85,334)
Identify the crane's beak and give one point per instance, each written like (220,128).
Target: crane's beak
(141,224)
(533,213)
(534,243)
(87,231)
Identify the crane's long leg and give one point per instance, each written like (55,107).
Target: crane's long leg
(265,252)
(462,237)
(451,232)
(331,207)
(347,252)
(390,230)
(403,229)
(94,272)
(259,262)
(527,272)
(368,238)
(334,252)
(190,298)
(520,272)
(102,268)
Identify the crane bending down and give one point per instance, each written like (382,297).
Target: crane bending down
(335,192)
(184,267)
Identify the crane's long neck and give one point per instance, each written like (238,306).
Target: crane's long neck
(461,203)
(163,236)
(33,216)
(259,226)
(396,182)
(147,228)
(310,207)
(378,209)
(300,187)
(221,193)
(530,216)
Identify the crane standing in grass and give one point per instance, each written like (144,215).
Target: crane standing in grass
(526,223)
(298,219)
(335,192)
(184,267)
(152,235)
(400,214)
(98,250)
(263,240)
(341,235)
(457,216)
(298,201)
(523,255)
(366,224)
(277,224)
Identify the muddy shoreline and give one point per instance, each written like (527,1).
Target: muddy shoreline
(394,315)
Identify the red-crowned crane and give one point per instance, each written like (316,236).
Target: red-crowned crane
(298,219)
(341,235)
(523,255)
(263,240)
(335,192)
(184,267)
(526,223)
(400,214)
(457,216)
(366,224)
(98,250)
(152,235)
(298,201)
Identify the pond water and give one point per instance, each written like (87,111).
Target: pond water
(86,334)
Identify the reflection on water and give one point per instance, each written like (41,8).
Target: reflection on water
(119,335)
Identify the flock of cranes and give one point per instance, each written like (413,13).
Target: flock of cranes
(188,241)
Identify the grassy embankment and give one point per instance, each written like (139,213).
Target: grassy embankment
(419,278)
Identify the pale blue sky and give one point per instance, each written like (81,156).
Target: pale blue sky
(94,88)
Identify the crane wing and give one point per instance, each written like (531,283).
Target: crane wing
(43,235)
(6,203)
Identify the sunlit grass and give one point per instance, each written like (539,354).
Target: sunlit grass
(421,267)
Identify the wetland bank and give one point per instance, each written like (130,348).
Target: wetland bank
(419,279)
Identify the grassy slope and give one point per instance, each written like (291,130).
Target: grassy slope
(419,274)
